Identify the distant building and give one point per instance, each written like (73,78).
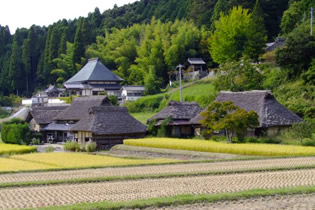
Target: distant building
(195,68)
(132,93)
(53,91)
(273,117)
(93,79)
(180,114)
(276,44)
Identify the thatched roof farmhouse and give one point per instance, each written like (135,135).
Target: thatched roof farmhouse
(94,118)
(272,115)
(180,113)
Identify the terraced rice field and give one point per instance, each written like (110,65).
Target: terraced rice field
(270,202)
(45,161)
(15,149)
(26,197)
(188,169)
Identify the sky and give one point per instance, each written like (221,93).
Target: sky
(25,13)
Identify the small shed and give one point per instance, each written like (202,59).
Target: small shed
(195,69)
(53,91)
(132,93)
(108,126)
(273,117)
(180,114)
(279,42)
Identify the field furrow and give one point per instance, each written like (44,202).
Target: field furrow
(149,188)
(190,168)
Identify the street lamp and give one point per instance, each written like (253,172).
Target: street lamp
(180,81)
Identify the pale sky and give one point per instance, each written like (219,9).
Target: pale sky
(25,13)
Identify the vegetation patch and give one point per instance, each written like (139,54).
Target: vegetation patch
(220,147)
(15,149)
(49,161)
(190,199)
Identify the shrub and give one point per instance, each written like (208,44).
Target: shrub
(49,149)
(90,146)
(82,147)
(302,130)
(16,132)
(114,100)
(308,142)
(163,131)
(35,141)
(72,146)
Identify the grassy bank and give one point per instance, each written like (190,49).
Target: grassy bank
(143,116)
(219,147)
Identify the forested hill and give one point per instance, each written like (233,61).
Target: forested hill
(36,57)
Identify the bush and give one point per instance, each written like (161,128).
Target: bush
(90,146)
(72,146)
(164,131)
(16,132)
(114,100)
(308,142)
(49,149)
(35,141)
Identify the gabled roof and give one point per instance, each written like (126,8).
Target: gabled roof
(196,61)
(273,45)
(51,89)
(133,88)
(45,114)
(270,111)
(80,107)
(94,70)
(178,111)
(109,120)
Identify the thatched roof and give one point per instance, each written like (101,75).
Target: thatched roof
(109,120)
(178,111)
(270,111)
(44,115)
(80,107)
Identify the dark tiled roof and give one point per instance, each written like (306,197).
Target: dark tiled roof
(196,61)
(270,111)
(58,127)
(44,115)
(94,70)
(109,120)
(278,43)
(80,107)
(178,111)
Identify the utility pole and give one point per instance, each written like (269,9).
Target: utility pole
(311,21)
(180,81)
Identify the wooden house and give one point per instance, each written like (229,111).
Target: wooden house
(273,117)
(132,93)
(180,114)
(53,91)
(108,126)
(93,79)
(60,128)
(195,68)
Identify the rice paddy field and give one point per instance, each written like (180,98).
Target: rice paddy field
(15,149)
(50,161)
(220,147)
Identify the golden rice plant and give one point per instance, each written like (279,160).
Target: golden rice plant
(220,147)
(7,164)
(15,149)
(80,160)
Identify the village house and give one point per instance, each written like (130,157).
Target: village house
(92,79)
(40,117)
(180,114)
(93,118)
(52,91)
(108,126)
(273,117)
(132,93)
(271,46)
(195,68)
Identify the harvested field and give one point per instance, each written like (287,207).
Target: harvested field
(302,201)
(133,151)
(190,168)
(26,197)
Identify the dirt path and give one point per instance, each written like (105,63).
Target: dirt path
(301,202)
(26,197)
(160,169)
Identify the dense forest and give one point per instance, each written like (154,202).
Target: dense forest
(144,41)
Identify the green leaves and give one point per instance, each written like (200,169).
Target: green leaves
(229,117)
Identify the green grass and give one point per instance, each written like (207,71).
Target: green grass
(202,92)
(143,116)
(220,147)
(189,199)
